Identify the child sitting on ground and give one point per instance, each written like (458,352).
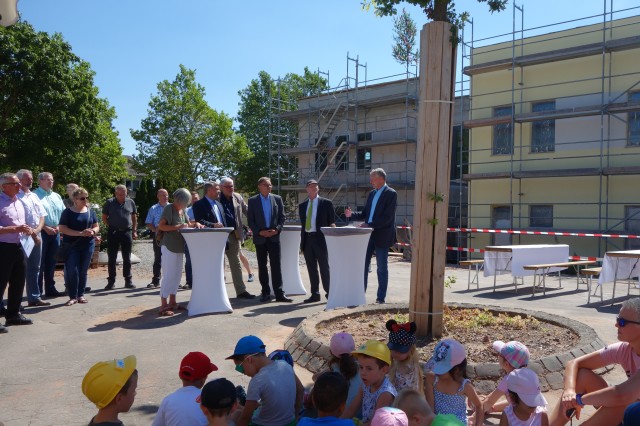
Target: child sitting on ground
(511,356)
(111,385)
(329,397)
(447,386)
(273,386)
(527,406)
(217,401)
(180,407)
(389,416)
(376,391)
(405,372)
(418,411)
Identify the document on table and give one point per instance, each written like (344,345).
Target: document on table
(27,243)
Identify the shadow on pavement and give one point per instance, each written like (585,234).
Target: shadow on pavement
(146,408)
(292,322)
(145,320)
(273,309)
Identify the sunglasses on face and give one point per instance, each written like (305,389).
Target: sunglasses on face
(82,198)
(622,322)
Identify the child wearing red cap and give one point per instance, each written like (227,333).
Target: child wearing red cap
(447,386)
(180,407)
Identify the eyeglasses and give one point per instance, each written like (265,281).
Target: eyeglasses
(622,322)
(11,183)
(82,198)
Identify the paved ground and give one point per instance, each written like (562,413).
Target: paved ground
(43,364)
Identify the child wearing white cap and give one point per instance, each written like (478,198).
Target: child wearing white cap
(446,384)
(511,356)
(527,403)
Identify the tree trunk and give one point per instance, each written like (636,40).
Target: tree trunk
(433,160)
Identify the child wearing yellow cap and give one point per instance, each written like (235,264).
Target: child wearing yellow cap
(111,385)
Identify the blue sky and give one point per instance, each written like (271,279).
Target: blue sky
(134,44)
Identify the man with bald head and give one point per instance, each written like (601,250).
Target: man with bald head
(153,219)
(120,215)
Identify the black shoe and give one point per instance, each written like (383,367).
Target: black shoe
(312,299)
(283,298)
(265,298)
(380,301)
(53,294)
(246,295)
(110,286)
(153,285)
(129,285)
(39,302)
(87,289)
(18,320)
(3,329)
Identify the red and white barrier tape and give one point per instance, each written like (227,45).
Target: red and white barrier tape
(554,233)
(475,250)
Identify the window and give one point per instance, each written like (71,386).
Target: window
(632,226)
(321,161)
(541,216)
(634,121)
(364,158)
(342,157)
(501,219)
(543,132)
(459,152)
(502,135)
(362,137)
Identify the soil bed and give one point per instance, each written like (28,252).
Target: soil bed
(476,329)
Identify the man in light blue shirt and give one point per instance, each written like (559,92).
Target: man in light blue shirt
(153,219)
(53,205)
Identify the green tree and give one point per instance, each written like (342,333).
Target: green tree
(51,117)
(404,35)
(256,117)
(183,141)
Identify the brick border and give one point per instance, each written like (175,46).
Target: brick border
(312,353)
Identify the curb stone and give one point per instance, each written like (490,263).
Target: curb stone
(313,353)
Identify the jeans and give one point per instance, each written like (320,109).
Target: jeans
(632,414)
(50,246)
(123,241)
(33,270)
(382,255)
(233,255)
(77,265)
(157,260)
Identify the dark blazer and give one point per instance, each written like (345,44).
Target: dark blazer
(384,217)
(325,216)
(255,217)
(203,212)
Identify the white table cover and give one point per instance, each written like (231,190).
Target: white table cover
(206,249)
(290,261)
(501,262)
(347,248)
(628,267)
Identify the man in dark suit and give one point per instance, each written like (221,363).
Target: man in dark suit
(315,213)
(379,213)
(266,218)
(209,212)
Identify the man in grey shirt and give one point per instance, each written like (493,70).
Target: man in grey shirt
(120,215)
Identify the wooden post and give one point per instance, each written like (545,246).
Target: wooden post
(433,161)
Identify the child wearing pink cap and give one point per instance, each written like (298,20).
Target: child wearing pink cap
(527,406)
(446,384)
(511,356)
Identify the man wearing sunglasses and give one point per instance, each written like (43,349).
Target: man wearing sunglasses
(580,378)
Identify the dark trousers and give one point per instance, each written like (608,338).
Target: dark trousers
(270,249)
(382,257)
(50,246)
(119,240)
(188,270)
(157,260)
(12,272)
(76,267)
(316,255)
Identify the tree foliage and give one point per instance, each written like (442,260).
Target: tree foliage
(183,141)
(51,117)
(404,35)
(260,102)
(436,10)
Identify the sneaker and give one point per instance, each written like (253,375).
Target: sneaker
(251,278)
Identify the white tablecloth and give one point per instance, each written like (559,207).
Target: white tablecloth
(628,267)
(206,249)
(347,248)
(512,262)
(290,260)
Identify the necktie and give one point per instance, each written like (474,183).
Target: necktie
(217,213)
(307,224)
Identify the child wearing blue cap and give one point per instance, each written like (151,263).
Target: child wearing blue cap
(273,386)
